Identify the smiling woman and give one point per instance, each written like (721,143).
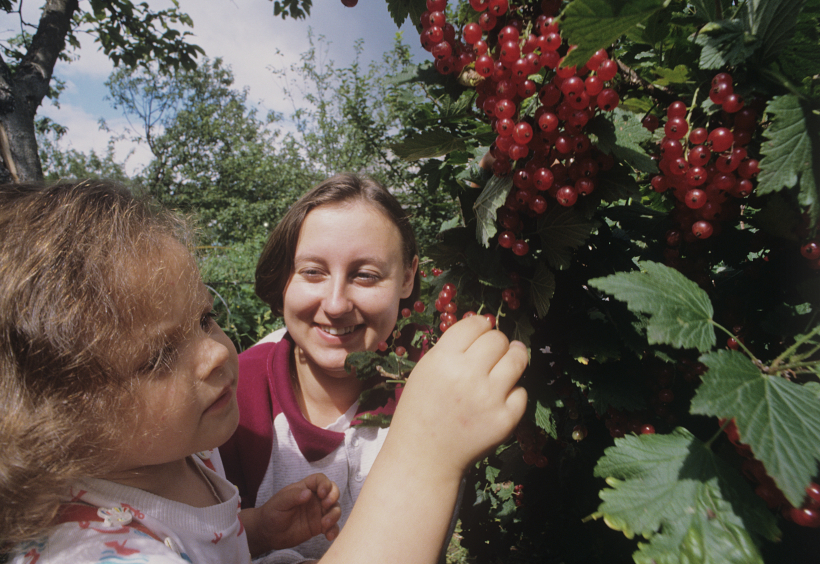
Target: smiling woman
(338,268)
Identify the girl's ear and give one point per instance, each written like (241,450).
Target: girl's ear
(409,278)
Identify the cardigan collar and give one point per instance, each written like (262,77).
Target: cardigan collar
(314,442)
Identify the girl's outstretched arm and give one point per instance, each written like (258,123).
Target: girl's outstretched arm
(460,401)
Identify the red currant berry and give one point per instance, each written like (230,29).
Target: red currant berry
(419,306)
(520,248)
(567,196)
(813,491)
(698,135)
(647,429)
(607,70)
(401,351)
(650,122)
(506,239)
(702,229)
(382,346)
(811,250)
(472,33)
(732,103)
(676,109)
(666,396)
(405,312)
(491,318)
(608,99)
(805,516)
(695,199)
(676,128)
(721,139)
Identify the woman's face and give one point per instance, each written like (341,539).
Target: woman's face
(348,277)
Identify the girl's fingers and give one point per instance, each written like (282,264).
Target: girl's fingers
(463,334)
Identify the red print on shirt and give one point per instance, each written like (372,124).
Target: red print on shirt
(121,549)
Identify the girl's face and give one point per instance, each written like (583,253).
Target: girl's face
(189,405)
(348,277)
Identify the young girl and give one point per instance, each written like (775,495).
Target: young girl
(337,267)
(114,378)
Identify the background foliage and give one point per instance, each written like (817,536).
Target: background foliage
(632,319)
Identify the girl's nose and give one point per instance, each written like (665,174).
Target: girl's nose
(215,355)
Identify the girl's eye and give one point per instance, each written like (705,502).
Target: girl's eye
(162,358)
(207,320)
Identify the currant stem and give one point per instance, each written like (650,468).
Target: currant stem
(798,365)
(792,349)
(738,341)
(719,431)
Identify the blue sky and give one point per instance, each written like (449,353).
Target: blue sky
(244,33)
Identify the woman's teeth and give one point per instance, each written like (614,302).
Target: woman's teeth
(336,331)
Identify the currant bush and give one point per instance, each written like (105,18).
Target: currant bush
(643,215)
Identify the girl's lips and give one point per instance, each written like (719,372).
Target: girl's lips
(222,401)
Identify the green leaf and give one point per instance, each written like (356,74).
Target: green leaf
(597,24)
(668,77)
(401,9)
(692,506)
(543,418)
(791,152)
(725,43)
(778,419)
(773,23)
(491,198)
(801,58)
(705,9)
(620,133)
(681,313)
(523,330)
(778,218)
(561,230)
(542,289)
(427,145)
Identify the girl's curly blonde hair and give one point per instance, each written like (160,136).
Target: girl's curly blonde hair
(74,276)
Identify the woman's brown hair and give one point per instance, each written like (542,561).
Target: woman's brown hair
(75,272)
(276,262)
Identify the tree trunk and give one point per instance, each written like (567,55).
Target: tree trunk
(22,91)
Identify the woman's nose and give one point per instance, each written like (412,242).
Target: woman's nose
(337,302)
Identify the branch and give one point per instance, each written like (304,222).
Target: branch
(35,70)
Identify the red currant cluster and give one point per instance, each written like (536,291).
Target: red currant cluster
(712,167)
(447,307)
(531,439)
(512,295)
(518,495)
(807,515)
(619,424)
(548,153)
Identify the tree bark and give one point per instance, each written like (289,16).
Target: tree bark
(22,91)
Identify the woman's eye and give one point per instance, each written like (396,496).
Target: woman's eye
(367,276)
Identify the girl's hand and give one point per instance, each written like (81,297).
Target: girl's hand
(293,515)
(461,400)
